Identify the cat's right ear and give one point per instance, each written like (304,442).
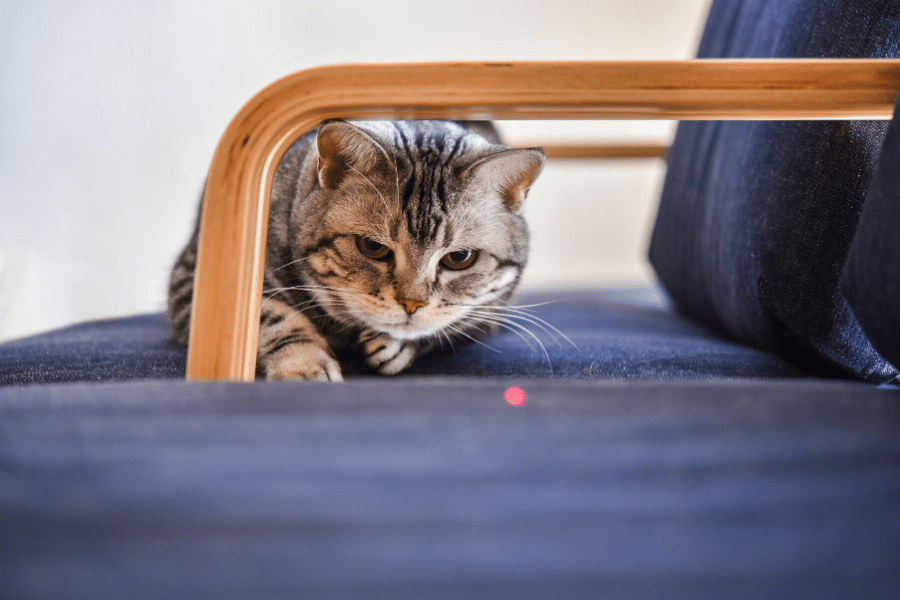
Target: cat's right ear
(509,174)
(344,147)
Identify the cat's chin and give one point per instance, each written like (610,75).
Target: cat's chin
(408,332)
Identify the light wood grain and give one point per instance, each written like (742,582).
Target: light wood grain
(597,151)
(227,296)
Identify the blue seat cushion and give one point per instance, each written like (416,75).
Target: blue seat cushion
(871,278)
(756,218)
(121,349)
(622,335)
(441,490)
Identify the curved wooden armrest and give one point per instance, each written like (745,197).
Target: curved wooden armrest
(228,285)
(596,151)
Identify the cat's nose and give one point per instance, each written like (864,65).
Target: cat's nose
(411,306)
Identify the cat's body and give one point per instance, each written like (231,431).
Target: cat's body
(389,235)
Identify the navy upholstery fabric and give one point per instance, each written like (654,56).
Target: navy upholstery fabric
(134,347)
(756,218)
(439,489)
(614,335)
(871,281)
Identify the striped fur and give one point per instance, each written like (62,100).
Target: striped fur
(389,236)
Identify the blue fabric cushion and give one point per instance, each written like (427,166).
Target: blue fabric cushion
(134,347)
(871,281)
(624,335)
(440,490)
(756,218)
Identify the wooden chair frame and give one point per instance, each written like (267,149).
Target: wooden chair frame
(228,284)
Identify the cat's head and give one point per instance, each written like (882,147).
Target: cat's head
(416,224)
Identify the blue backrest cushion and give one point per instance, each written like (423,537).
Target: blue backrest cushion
(757,217)
(871,278)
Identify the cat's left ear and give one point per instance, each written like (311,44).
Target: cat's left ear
(509,173)
(342,147)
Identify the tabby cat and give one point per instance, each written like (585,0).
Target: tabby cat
(392,236)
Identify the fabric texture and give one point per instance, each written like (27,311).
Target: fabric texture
(871,279)
(135,347)
(625,334)
(756,218)
(440,490)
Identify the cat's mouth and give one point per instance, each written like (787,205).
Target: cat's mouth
(411,329)
(408,330)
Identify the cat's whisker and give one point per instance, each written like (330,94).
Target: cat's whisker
(476,326)
(520,311)
(510,324)
(449,341)
(517,313)
(510,319)
(302,306)
(536,339)
(272,292)
(466,335)
(332,315)
(545,326)
(440,339)
(275,291)
(502,306)
(501,323)
(289,287)
(333,295)
(291,263)
(337,315)
(344,327)
(353,322)
(301,288)
(508,309)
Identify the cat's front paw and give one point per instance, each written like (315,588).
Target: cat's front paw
(302,361)
(385,354)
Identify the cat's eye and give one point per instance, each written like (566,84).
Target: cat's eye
(461,259)
(372,249)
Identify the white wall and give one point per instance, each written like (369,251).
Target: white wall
(110,111)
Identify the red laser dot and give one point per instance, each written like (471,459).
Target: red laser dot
(515,396)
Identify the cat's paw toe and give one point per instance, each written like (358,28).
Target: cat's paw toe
(387,355)
(303,361)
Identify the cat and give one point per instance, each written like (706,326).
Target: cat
(388,235)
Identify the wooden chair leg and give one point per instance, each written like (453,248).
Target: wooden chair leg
(228,288)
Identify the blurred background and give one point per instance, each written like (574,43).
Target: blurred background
(110,112)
